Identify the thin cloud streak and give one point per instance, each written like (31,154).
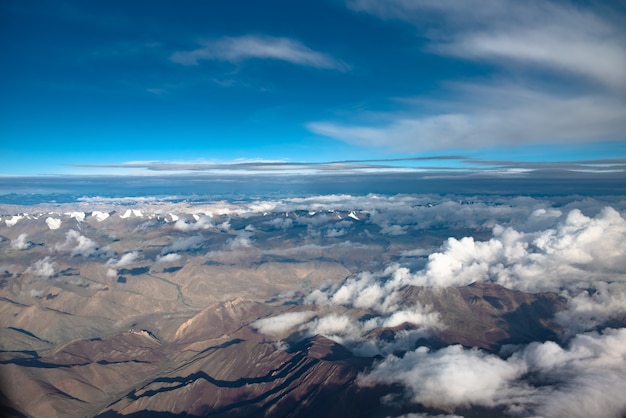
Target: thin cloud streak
(237,49)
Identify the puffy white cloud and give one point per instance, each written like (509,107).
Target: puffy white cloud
(83,246)
(184,244)
(42,268)
(451,376)
(53,223)
(280,324)
(21,242)
(585,378)
(202,222)
(124,261)
(577,252)
(242,240)
(169,258)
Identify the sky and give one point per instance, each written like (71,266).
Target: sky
(155,87)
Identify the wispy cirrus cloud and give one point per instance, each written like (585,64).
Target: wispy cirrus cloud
(237,49)
(562,36)
(560,71)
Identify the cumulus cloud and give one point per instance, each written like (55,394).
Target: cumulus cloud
(579,251)
(583,379)
(169,258)
(21,242)
(580,257)
(242,240)
(82,245)
(202,222)
(451,376)
(124,261)
(42,268)
(236,49)
(53,223)
(184,244)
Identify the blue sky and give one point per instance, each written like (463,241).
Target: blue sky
(119,87)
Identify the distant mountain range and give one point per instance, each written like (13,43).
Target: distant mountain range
(335,306)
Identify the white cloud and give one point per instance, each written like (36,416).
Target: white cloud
(184,244)
(126,260)
(242,240)
(84,246)
(53,223)
(169,258)
(236,49)
(42,268)
(585,378)
(202,222)
(21,242)
(280,324)
(451,376)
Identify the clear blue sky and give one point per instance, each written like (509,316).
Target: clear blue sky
(113,82)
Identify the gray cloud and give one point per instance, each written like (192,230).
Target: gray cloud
(203,222)
(451,376)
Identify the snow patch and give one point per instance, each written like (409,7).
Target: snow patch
(100,216)
(14,220)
